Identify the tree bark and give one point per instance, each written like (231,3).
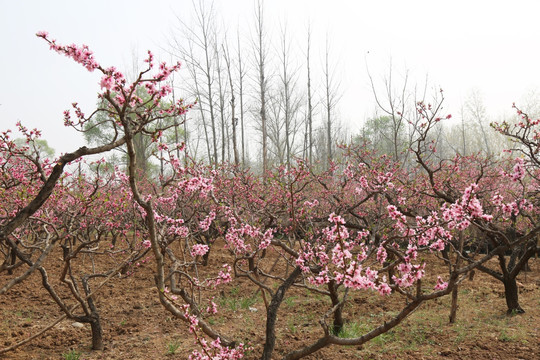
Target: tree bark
(241,95)
(310,106)
(271,314)
(97,332)
(512,296)
(454,306)
(338,314)
(261,64)
(234,120)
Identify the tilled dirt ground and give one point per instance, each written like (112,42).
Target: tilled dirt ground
(136,326)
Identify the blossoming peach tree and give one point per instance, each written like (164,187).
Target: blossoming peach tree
(502,188)
(37,193)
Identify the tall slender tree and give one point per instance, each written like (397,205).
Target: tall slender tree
(241,75)
(221,101)
(260,49)
(331,98)
(309,124)
(289,98)
(234,120)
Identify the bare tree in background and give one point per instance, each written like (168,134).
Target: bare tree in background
(200,58)
(394,104)
(463,141)
(275,128)
(457,135)
(309,122)
(530,103)
(241,74)
(290,102)
(221,96)
(474,130)
(260,49)
(398,102)
(196,90)
(476,111)
(234,120)
(331,97)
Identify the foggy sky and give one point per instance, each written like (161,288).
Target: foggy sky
(491,46)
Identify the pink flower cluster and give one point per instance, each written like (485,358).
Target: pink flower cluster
(174,226)
(337,231)
(348,269)
(238,234)
(199,250)
(212,307)
(113,80)
(224,276)
(460,214)
(311,204)
(349,171)
(215,351)
(385,181)
(204,225)
(165,71)
(409,274)
(198,183)
(81,55)
(519,170)
(381,254)
(441,284)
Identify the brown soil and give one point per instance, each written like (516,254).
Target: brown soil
(136,326)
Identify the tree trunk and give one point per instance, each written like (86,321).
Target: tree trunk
(271,314)
(338,314)
(221,93)
(329,108)
(512,296)
(261,64)
(93,318)
(454,306)
(12,256)
(241,95)
(233,105)
(97,333)
(310,107)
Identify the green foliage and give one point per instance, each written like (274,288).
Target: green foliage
(71,355)
(234,303)
(505,337)
(384,338)
(39,146)
(289,301)
(291,326)
(245,303)
(385,135)
(172,347)
(234,291)
(352,330)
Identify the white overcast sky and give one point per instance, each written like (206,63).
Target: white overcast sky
(492,46)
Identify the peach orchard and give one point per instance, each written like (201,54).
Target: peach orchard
(366,224)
